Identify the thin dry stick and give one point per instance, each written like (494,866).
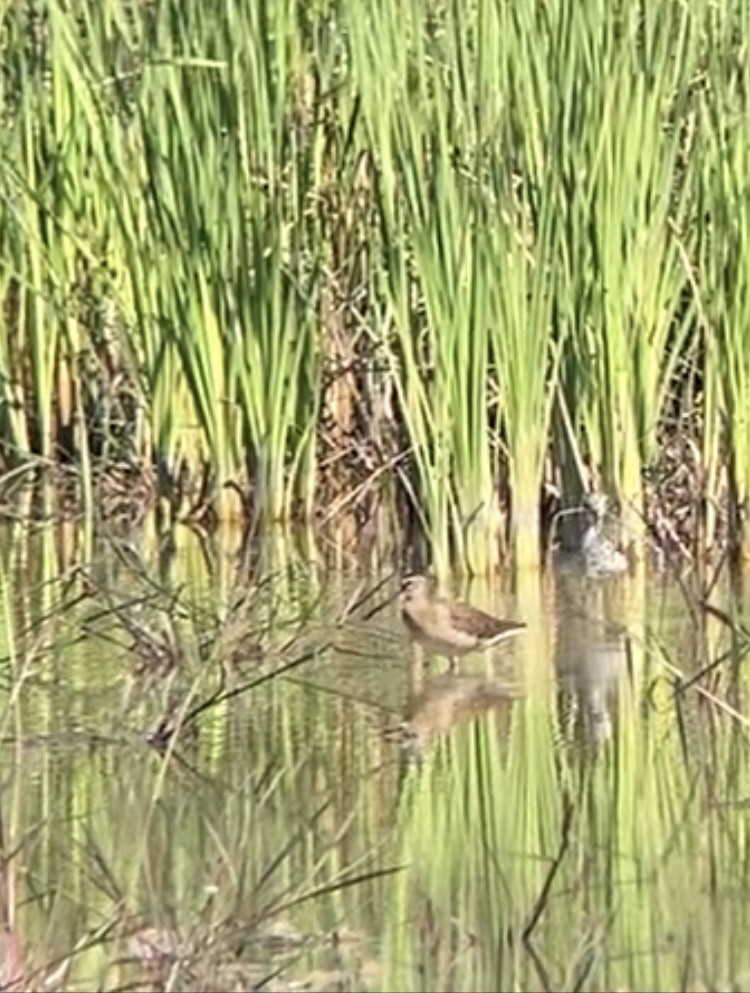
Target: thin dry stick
(167,728)
(711,697)
(541,901)
(716,664)
(353,495)
(733,654)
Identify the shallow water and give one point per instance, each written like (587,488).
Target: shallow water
(590,834)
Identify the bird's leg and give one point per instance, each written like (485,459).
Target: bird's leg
(416,673)
(489,664)
(453,664)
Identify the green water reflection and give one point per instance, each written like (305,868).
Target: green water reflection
(590,835)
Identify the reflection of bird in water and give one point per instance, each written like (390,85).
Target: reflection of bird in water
(591,653)
(600,556)
(12,969)
(449,627)
(443,704)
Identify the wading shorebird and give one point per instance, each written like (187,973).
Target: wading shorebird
(449,627)
(600,556)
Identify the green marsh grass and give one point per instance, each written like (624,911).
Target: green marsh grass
(722,277)
(619,143)
(293,257)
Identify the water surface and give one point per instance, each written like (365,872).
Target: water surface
(357,821)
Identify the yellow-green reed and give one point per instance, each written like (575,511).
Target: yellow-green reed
(424,218)
(480,208)
(454,241)
(169,171)
(722,258)
(516,94)
(625,218)
(29,199)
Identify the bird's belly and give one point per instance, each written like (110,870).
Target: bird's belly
(458,645)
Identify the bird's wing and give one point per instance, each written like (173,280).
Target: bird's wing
(481,624)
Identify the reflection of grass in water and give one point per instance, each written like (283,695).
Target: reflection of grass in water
(652,852)
(255,848)
(256,819)
(254,854)
(488,803)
